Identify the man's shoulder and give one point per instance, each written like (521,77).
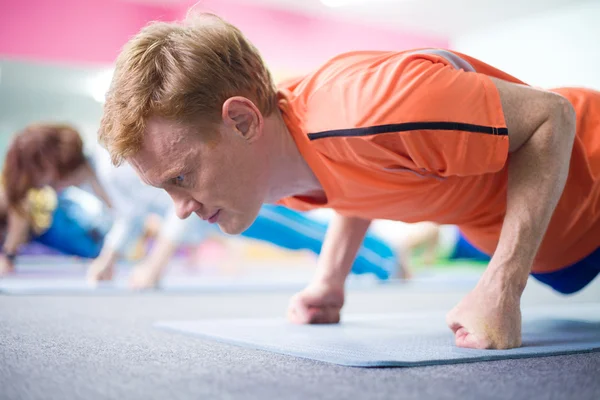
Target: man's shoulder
(339,105)
(350,93)
(335,71)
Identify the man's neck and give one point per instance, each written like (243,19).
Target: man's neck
(290,174)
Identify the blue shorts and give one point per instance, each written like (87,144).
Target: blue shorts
(566,281)
(463,250)
(574,277)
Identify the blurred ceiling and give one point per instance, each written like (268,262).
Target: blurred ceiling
(41,91)
(444,18)
(31,91)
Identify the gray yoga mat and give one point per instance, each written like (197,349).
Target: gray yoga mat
(401,340)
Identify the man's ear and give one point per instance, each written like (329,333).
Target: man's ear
(243,117)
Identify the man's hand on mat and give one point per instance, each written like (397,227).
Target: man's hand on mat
(320,303)
(6,266)
(144,276)
(101,269)
(487,318)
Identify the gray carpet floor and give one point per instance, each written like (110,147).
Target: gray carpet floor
(84,347)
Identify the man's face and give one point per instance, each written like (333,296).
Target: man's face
(223,180)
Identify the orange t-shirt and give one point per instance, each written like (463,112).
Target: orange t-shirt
(421,136)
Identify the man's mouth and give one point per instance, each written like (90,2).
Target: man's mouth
(213,219)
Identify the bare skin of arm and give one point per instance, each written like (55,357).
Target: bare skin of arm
(147,274)
(86,173)
(322,300)
(97,187)
(102,268)
(423,235)
(17,234)
(541,128)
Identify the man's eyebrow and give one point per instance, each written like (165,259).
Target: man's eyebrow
(169,174)
(152,182)
(147,182)
(142,175)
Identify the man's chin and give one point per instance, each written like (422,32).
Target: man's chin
(234,227)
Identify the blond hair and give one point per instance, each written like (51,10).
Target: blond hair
(183,72)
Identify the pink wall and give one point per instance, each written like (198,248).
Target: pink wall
(93,31)
(294,41)
(88,31)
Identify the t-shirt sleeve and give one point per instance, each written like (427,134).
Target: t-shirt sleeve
(418,112)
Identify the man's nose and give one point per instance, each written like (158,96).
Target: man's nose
(185,206)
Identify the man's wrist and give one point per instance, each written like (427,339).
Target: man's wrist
(510,278)
(331,278)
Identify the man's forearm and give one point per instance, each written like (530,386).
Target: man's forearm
(342,241)
(537,175)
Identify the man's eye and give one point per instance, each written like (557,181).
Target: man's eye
(178,180)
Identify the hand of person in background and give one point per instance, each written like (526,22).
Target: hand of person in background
(145,276)
(319,303)
(102,268)
(6,265)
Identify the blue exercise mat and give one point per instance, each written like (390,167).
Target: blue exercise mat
(401,340)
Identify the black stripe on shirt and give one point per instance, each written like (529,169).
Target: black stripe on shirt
(409,126)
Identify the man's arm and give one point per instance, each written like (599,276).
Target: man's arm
(322,300)
(541,128)
(342,241)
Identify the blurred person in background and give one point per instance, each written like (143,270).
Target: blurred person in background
(52,155)
(431,243)
(73,222)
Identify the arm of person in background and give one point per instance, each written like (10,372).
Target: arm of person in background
(420,235)
(173,231)
(148,273)
(322,301)
(89,175)
(124,232)
(86,174)
(17,234)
